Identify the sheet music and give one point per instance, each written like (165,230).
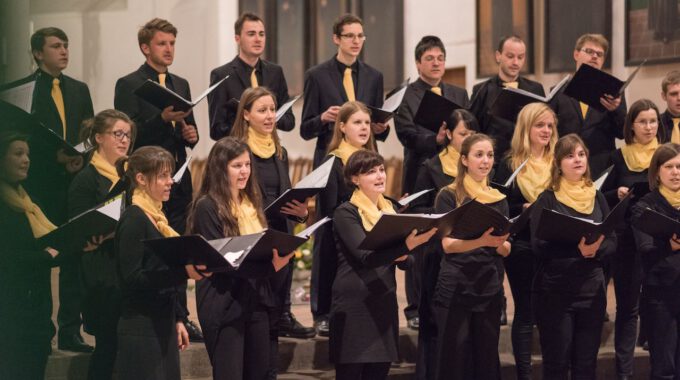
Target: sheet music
(411,197)
(307,232)
(285,107)
(113,208)
(318,178)
(515,173)
(180,173)
(20,96)
(600,180)
(208,91)
(631,77)
(392,103)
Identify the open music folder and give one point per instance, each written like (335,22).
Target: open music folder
(389,107)
(510,101)
(162,97)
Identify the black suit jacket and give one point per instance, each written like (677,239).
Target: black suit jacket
(430,176)
(222,116)
(483,96)
(322,90)
(419,142)
(665,127)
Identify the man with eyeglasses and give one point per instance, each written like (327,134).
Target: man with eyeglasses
(598,129)
(340,79)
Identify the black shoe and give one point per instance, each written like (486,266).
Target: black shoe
(504,314)
(322,327)
(413,323)
(290,327)
(74,343)
(195,334)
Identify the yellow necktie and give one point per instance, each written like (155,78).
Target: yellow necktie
(253,79)
(58,98)
(161,80)
(584,109)
(511,84)
(437,90)
(675,134)
(348,84)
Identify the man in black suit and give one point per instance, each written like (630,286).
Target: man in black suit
(169,129)
(670,119)
(330,84)
(246,70)
(510,56)
(598,129)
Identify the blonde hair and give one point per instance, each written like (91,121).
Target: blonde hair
(520,146)
(346,111)
(597,39)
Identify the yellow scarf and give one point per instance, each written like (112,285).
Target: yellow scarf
(449,158)
(673,197)
(534,177)
(576,195)
(369,212)
(638,156)
(248,222)
(262,145)
(19,200)
(154,209)
(344,150)
(480,191)
(104,168)
(675,134)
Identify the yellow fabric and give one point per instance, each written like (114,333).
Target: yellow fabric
(576,195)
(673,197)
(675,134)
(248,222)
(344,150)
(534,177)
(449,158)
(161,80)
(511,84)
(437,90)
(348,84)
(480,191)
(638,156)
(253,79)
(369,212)
(104,168)
(58,98)
(584,109)
(19,200)
(153,208)
(261,144)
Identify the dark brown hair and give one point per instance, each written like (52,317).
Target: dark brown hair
(146,32)
(504,39)
(346,111)
(247,16)
(345,20)
(39,36)
(7,137)
(429,42)
(460,191)
(663,154)
(633,112)
(360,162)
(102,123)
(565,146)
(240,127)
(150,161)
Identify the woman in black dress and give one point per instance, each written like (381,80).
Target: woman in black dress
(467,298)
(661,267)
(352,133)
(150,328)
(533,140)
(364,324)
(569,289)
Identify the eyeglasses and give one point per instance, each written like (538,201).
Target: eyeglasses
(120,135)
(352,36)
(645,123)
(593,52)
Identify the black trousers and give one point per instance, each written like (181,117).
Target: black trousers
(664,344)
(569,335)
(413,283)
(22,359)
(361,371)
(70,299)
(240,350)
(324,266)
(627,274)
(103,358)
(468,342)
(520,267)
(426,361)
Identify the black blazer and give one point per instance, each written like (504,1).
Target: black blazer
(430,176)
(483,96)
(323,90)
(222,116)
(665,127)
(419,142)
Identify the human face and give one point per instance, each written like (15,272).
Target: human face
(371,183)
(511,60)
(115,143)
(479,160)
(16,162)
(160,52)
(54,55)
(238,170)
(590,54)
(458,135)
(574,164)
(431,65)
(669,173)
(541,131)
(672,99)
(350,41)
(158,187)
(252,39)
(262,115)
(645,126)
(357,129)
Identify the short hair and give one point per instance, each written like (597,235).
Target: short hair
(673,77)
(663,154)
(247,16)
(429,42)
(504,39)
(146,32)
(7,137)
(633,112)
(566,145)
(360,162)
(39,36)
(594,38)
(345,20)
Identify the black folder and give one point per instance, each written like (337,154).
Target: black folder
(590,84)
(162,97)
(602,178)
(556,227)
(475,218)
(407,200)
(433,110)
(510,101)
(657,225)
(639,189)
(389,107)
(98,221)
(506,187)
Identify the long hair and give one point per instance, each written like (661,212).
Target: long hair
(150,161)
(240,127)
(520,146)
(102,123)
(460,191)
(565,146)
(346,111)
(663,154)
(215,185)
